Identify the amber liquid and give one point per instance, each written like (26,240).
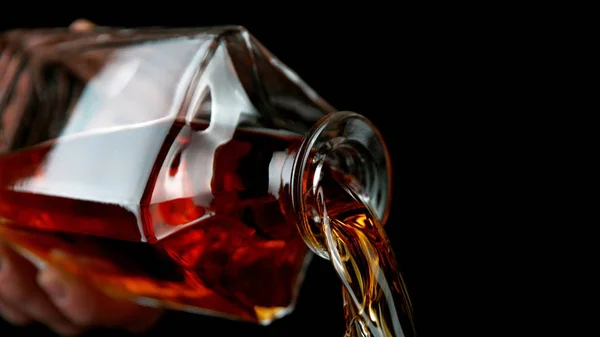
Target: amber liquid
(376,300)
(237,256)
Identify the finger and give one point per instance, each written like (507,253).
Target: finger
(90,61)
(13,315)
(82,25)
(18,289)
(87,306)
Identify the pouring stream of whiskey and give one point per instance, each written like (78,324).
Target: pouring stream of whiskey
(376,301)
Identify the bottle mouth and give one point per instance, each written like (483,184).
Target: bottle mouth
(351,144)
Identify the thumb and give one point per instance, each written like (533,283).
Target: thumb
(81,25)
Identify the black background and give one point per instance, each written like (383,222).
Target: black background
(431,86)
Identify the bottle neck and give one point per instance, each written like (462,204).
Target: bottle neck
(350,145)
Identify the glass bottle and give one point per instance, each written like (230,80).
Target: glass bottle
(174,166)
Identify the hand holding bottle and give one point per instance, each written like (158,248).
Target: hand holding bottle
(64,303)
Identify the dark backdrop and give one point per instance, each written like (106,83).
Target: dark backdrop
(402,76)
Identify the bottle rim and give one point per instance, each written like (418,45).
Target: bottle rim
(351,136)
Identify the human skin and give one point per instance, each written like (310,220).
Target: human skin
(66,304)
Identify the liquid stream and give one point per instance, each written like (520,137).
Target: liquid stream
(376,301)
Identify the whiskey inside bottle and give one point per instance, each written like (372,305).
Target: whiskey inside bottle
(231,252)
(238,256)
